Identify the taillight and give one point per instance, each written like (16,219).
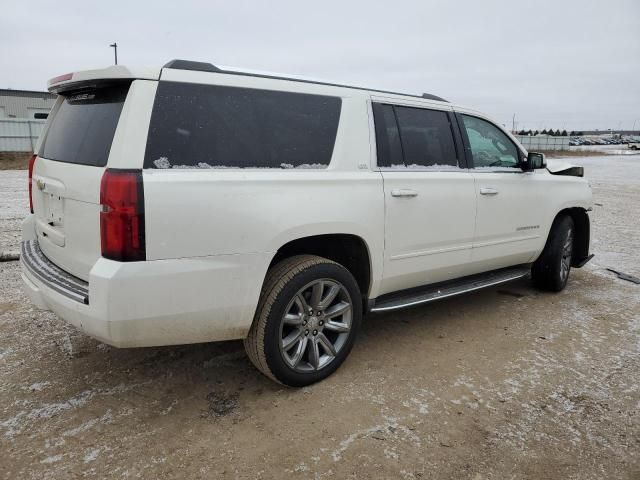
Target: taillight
(122,217)
(32,162)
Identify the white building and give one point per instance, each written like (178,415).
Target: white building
(24,104)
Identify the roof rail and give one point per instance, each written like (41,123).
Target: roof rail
(209,67)
(190,65)
(429,96)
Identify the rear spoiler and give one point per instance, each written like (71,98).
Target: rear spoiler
(70,81)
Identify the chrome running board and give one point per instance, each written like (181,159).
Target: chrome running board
(431,293)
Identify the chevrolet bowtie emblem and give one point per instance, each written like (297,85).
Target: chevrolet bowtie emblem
(40,184)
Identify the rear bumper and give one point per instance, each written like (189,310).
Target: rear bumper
(34,260)
(162,302)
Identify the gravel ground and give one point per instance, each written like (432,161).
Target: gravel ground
(14,206)
(502,383)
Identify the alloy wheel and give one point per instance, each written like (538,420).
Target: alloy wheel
(316,325)
(565,260)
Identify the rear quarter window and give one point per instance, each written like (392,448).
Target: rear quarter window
(210,126)
(82,129)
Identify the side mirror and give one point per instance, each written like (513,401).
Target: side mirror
(534,161)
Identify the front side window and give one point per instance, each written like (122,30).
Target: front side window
(414,138)
(490,147)
(212,126)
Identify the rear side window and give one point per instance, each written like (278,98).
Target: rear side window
(82,129)
(210,126)
(415,138)
(427,138)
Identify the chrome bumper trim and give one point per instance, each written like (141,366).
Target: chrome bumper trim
(51,275)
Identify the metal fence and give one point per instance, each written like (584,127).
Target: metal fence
(19,135)
(544,142)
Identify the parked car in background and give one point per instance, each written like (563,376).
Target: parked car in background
(196,204)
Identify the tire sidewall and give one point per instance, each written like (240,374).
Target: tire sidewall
(547,269)
(275,362)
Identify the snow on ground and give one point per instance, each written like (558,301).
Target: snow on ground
(506,382)
(616,187)
(14,206)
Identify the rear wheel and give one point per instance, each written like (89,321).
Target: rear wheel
(551,270)
(306,322)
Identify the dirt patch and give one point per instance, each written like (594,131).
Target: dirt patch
(7,307)
(221,404)
(14,160)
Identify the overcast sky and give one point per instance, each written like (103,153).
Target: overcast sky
(555,64)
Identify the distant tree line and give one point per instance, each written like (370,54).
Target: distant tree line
(551,132)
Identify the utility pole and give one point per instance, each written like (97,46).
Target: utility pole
(513,123)
(115,51)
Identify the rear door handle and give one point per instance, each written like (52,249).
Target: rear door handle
(403,192)
(488,191)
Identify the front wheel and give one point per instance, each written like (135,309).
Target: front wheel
(306,321)
(551,270)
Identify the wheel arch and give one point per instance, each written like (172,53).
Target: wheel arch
(582,240)
(349,250)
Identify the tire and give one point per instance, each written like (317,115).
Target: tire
(551,270)
(290,289)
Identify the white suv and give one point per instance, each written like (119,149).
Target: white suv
(194,204)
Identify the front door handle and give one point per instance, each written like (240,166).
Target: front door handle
(403,192)
(488,191)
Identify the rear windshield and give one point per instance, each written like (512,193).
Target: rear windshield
(82,129)
(209,126)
